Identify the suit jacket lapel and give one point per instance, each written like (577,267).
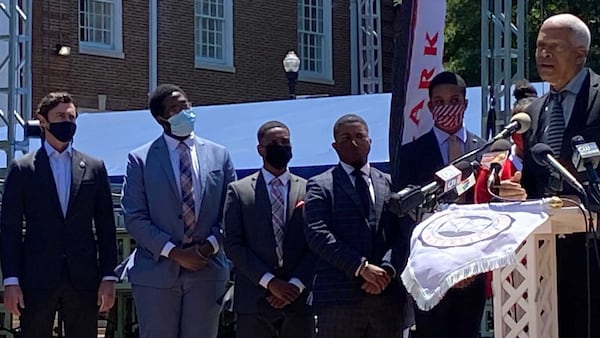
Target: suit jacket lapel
(78,167)
(379,186)
(294,191)
(42,163)
(340,177)
(263,207)
(160,147)
(202,157)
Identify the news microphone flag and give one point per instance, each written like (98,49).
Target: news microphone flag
(463,241)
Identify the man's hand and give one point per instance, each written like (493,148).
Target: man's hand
(13,299)
(512,189)
(377,276)
(276,302)
(206,249)
(371,288)
(283,290)
(188,258)
(106,295)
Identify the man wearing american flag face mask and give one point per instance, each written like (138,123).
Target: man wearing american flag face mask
(459,313)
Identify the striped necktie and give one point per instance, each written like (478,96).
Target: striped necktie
(277,216)
(187,192)
(556,124)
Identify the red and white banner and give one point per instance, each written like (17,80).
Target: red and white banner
(425,62)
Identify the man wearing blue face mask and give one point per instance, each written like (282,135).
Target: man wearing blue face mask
(172,200)
(66,257)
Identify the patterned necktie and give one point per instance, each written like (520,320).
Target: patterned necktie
(187,192)
(362,187)
(277,216)
(556,124)
(454,147)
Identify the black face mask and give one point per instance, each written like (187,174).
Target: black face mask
(63,131)
(278,155)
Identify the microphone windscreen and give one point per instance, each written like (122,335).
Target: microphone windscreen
(500,145)
(465,168)
(539,152)
(524,122)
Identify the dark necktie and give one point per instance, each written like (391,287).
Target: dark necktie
(277,216)
(556,124)
(362,187)
(187,192)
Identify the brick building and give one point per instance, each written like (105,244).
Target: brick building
(218,51)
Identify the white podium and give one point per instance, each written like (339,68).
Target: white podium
(525,298)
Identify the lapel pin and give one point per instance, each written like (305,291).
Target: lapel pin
(82,164)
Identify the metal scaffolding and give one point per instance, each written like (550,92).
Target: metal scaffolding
(503,54)
(17,67)
(369,44)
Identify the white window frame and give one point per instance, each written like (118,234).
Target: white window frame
(224,64)
(325,76)
(116,49)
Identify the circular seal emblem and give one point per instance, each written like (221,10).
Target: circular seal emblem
(461,228)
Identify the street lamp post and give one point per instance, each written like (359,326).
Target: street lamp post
(291,65)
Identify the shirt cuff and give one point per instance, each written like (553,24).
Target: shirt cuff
(362,261)
(388,256)
(214,242)
(389,266)
(297,283)
(11,281)
(266,278)
(166,250)
(110,278)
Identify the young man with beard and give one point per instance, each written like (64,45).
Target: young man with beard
(458,315)
(66,257)
(264,225)
(173,204)
(350,228)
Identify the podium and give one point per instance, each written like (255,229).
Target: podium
(525,294)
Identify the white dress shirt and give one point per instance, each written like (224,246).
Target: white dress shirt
(60,164)
(174,156)
(284,190)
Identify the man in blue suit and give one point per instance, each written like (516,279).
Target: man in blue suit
(350,228)
(173,203)
(265,240)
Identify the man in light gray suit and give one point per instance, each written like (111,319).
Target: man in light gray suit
(173,203)
(265,240)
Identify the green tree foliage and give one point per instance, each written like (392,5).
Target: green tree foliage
(462,47)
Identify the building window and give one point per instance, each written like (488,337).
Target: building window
(213,27)
(314,40)
(101,27)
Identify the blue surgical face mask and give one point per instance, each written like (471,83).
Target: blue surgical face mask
(182,123)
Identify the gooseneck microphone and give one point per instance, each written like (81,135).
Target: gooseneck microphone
(542,155)
(519,123)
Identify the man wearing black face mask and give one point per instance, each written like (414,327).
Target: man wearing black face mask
(264,222)
(64,196)
(350,229)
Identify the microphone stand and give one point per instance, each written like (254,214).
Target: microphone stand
(473,152)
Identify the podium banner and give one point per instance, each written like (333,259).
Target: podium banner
(464,241)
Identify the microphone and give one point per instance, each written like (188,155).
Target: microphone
(468,180)
(519,123)
(494,160)
(542,155)
(414,196)
(586,156)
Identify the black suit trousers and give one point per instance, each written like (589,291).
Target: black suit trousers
(78,308)
(276,324)
(458,315)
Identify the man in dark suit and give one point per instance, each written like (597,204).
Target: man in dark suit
(458,315)
(63,196)
(350,229)
(572,107)
(173,199)
(264,239)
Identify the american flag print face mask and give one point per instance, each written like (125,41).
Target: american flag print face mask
(448,116)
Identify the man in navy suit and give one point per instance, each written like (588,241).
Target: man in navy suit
(264,225)
(350,229)
(459,313)
(562,47)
